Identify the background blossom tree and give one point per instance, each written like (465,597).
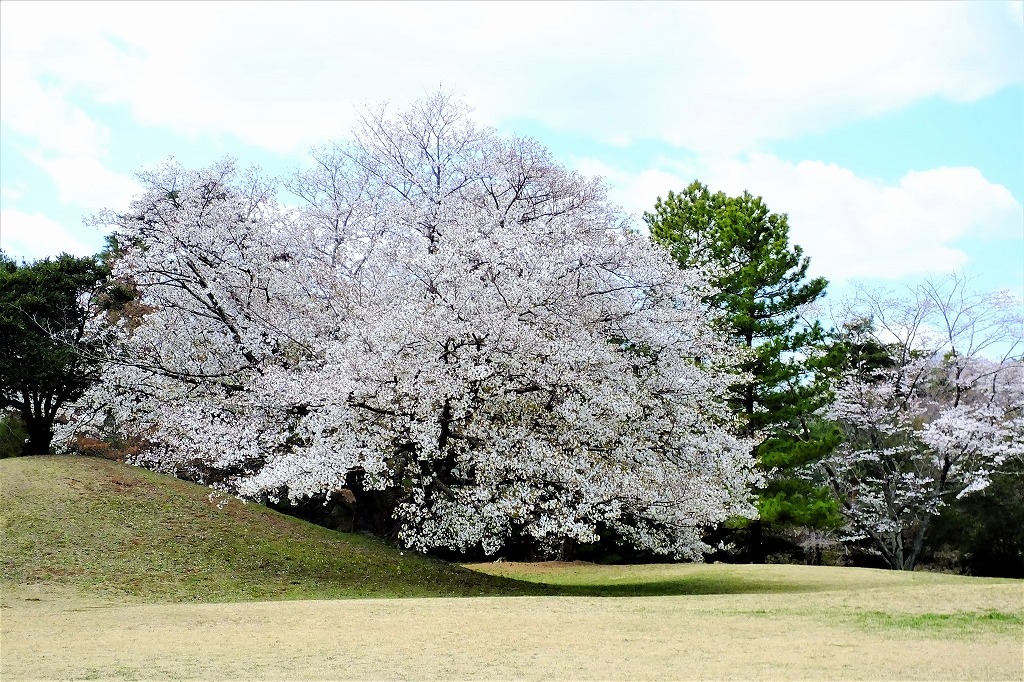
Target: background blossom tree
(932,405)
(452,329)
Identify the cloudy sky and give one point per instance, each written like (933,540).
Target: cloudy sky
(892,134)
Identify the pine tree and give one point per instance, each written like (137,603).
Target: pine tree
(763,287)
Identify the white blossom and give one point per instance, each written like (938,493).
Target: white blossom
(936,411)
(451,318)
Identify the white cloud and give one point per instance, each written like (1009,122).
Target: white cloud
(44,114)
(11,194)
(64,141)
(850,226)
(86,182)
(713,77)
(717,78)
(33,236)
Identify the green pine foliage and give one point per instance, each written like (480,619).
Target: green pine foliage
(763,288)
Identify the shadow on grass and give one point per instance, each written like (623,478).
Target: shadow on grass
(688,586)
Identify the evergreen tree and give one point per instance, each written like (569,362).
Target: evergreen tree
(763,286)
(47,356)
(983,534)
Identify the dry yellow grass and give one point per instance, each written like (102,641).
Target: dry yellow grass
(815,624)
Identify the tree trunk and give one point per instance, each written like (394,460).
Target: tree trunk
(373,508)
(40,436)
(918,545)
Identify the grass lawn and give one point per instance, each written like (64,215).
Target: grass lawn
(110,572)
(120,531)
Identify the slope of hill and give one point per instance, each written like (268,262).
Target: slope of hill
(95,525)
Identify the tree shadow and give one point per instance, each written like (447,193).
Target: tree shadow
(692,586)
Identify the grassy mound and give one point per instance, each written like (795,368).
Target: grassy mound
(106,528)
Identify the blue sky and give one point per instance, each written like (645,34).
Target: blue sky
(892,134)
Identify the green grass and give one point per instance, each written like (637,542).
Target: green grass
(957,623)
(106,528)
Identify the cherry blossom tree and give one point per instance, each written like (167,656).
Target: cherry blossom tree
(452,329)
(932,405)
